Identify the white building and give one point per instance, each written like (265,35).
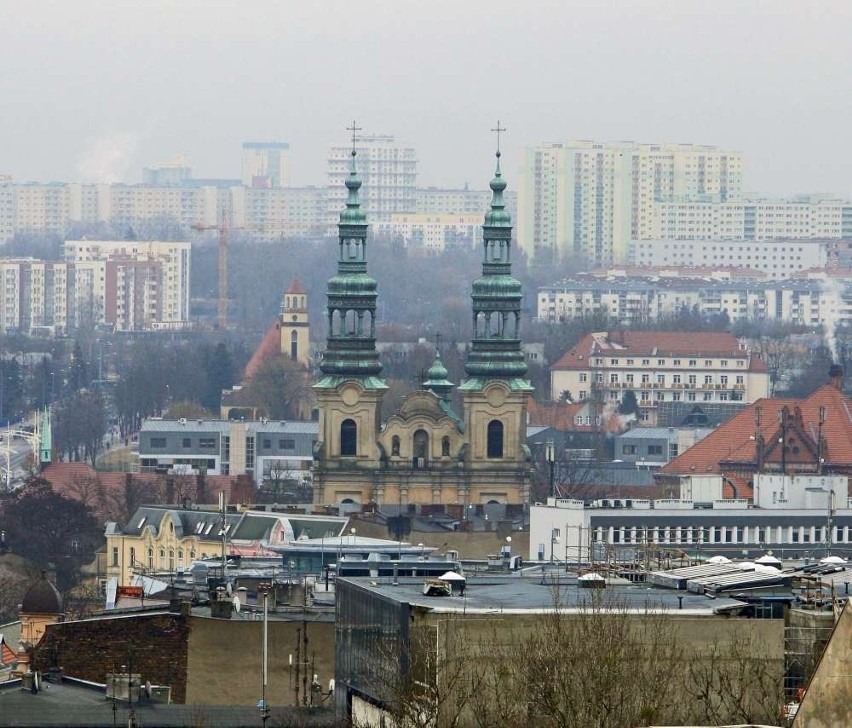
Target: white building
(776,258)
(266,164)
(433,232)
(658,366)
(388,174)
(800,523)
(589,199)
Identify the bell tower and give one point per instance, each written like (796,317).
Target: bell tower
(496,392)
(350,390)
(295,329)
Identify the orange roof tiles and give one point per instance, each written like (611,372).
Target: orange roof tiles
(269,347)
(296,287)
(558,415)
(735,441)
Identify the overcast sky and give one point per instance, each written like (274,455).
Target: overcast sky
(95,90)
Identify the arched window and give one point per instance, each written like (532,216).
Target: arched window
(495,439)
(294,345)
(445,446)
(420,448)
(348,438)
(395,445)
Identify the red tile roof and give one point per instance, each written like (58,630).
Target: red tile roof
(735,442)
(296,287)
(650,343)
(558,415)
(269,347)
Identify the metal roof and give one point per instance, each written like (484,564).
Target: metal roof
(223,426)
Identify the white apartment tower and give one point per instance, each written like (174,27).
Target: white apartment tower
(266,164)
(587,199)
(388,173)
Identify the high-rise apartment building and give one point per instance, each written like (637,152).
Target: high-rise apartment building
(266,164)
(587,200)
(144,283)
(388,172)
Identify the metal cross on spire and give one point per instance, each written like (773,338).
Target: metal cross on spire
(438,341)
(354,129)
(499,130)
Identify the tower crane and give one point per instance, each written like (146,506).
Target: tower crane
(222,228)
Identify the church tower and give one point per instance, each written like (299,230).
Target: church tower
(349,392)
(495,394)
(295,330)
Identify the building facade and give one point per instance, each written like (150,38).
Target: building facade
(388,172)
(262,449)
(658,367)
(587,199)
(266,164)
(425,452)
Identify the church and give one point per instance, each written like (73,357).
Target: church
(425,452)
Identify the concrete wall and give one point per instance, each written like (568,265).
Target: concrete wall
(206,661)
(224,660)
(826,703)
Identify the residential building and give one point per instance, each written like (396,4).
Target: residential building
(658,366)
(173,174)
(424,452)
(168,539)
(262,449)
(266,164)
(587,200)
(152,273)
(653,447)
(813,298)
(433,232)
(388,172)
(778,258)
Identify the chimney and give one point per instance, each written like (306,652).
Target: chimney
(835,376)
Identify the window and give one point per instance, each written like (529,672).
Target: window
(187,442)
(646,362)
(614,362)
(675,396)
(676,378)
(724,362)
(692,379)
(629,378)
(267,443)
(708,379)
(693,362)
(613,378)
(348,438)
(661,379)
(676,362)
(395,446)
(630,362)
(495,439)
(132,555)
(740,379)
(207,443)
(286,444)
(584,376)
(723,379)
(708,362)
(628,449)
(158,442)
(672,450)
(445,446)
(655,449)
(115,555)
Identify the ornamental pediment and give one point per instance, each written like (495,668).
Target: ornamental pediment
(420,404)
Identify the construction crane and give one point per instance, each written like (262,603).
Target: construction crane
(222,228)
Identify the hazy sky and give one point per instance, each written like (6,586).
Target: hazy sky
(96,90)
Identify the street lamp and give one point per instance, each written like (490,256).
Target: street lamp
(264,709)
(550,456)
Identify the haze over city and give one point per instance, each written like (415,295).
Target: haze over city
(102,89)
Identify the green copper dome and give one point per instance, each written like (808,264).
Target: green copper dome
(495,351)
(437,381)
(351,309)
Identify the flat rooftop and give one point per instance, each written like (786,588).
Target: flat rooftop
(536,593)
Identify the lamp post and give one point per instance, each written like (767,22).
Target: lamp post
(264,709)
(550,456)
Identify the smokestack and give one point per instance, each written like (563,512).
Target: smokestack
(835,376)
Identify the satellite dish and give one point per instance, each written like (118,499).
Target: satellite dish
(237,604)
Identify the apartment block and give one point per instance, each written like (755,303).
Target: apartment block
(388,172)
(433,232)
(588,199)
(266,164)
(778,258)
(814,298)
(658,367)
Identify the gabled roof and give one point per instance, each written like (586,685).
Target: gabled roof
(558,415)
(650,343)
(296,287)
(269,347)
(736,440)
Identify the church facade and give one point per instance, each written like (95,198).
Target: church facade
(425,452)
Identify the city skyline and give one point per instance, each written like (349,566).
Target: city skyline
(142,85)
